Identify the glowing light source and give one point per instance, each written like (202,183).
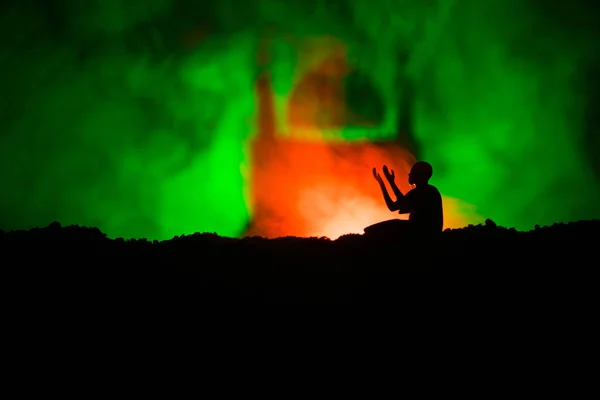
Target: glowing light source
(319,184)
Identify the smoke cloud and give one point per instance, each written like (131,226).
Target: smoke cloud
(142,117)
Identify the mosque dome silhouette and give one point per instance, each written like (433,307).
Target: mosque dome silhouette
(333,95)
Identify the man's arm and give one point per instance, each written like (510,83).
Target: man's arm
(404,201)
(391,177)
(396,190)
(391,204)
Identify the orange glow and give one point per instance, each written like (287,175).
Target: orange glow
(320,188)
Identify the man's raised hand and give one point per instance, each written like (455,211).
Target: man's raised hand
(390,175)
(377,176)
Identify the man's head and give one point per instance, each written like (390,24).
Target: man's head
(420,173)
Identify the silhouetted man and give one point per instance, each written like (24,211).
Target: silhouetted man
(423,202)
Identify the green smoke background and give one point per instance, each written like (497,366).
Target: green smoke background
(108,120)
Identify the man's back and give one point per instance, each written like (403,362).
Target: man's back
(424,203)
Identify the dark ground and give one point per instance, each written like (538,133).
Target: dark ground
(353,268)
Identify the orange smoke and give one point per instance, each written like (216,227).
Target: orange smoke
(319,188)
(324,189)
